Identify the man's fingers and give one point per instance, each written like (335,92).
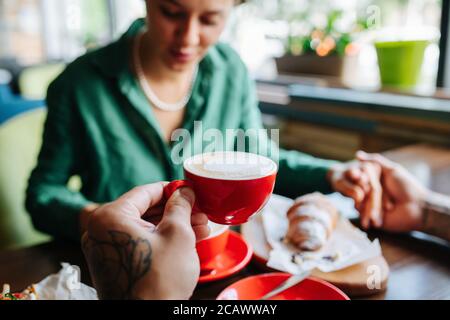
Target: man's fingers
(179,208)
(196,219)
(364,218)
(201,232)
(154,219)
(388,203)
(369,215)
(373,172)
(140,199)
(147,225)
(375,209)
(371,208)
(154,212)
(384,162)
(199,219)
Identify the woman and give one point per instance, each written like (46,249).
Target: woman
(111,114)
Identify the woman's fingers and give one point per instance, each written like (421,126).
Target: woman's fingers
(358,177)
(353,174)
(351,190)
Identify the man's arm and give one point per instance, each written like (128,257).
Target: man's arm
(118,263)
(409,205)
(436,216)
(130,258)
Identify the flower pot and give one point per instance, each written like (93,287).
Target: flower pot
(400,62)
(310,64)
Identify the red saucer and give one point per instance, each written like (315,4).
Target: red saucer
(236,256)
(255,287)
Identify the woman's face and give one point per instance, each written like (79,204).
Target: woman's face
(181,31)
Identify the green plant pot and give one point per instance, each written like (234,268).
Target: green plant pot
(400,62)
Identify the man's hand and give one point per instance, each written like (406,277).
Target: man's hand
(403,196)
(85,214)
(131,258)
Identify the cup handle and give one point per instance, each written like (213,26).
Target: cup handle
(177,184)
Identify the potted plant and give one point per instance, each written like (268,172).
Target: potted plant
(312,49)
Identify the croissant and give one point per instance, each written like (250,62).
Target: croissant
(312,219)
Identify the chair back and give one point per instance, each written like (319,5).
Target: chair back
(20,142)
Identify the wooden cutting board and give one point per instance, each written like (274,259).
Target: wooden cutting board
(352,280)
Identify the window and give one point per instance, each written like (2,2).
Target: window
(263,29)
(125,12)
(20,31)
(34,31)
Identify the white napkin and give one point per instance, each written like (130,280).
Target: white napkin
(345,205)
(65,285)
(347,245)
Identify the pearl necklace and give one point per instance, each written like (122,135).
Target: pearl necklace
(148,90)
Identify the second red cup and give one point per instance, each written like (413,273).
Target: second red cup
(208,249)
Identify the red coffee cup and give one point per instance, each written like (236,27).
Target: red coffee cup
(209,248)
(228,198)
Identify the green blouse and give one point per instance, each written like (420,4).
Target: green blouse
(101,127)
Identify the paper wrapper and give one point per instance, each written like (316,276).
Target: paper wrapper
(346,246)
(65,285)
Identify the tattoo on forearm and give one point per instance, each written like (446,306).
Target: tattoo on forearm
(436,218)
(117,264)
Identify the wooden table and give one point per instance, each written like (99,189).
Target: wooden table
(420,269)
(419,266)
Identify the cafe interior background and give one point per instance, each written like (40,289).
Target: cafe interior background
(333,76)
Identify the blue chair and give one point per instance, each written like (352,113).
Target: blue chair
(11,105)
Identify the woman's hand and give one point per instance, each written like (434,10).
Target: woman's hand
(131,258)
